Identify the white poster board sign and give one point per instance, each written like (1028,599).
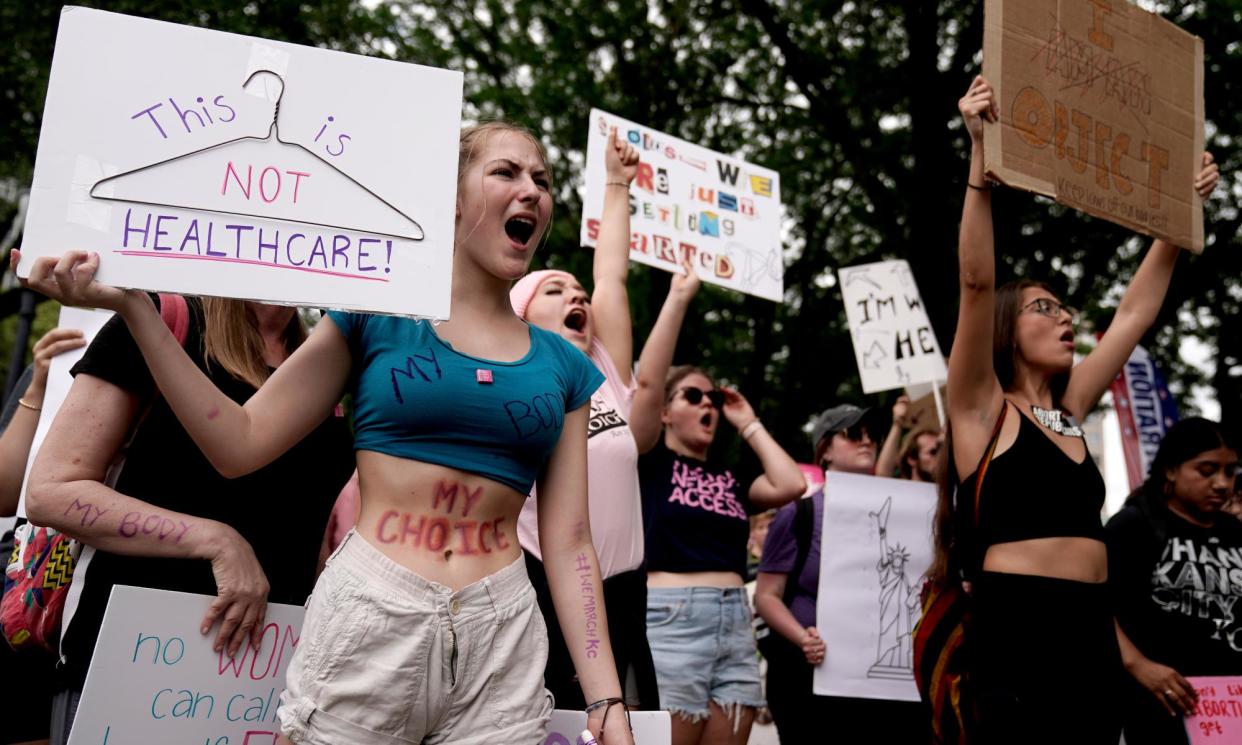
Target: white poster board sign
(650,727)
(877,541)
(894,344)
(226,165)
(89,322)
(155,679)
(724,213)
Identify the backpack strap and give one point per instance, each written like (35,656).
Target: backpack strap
(175,312)
(803,533)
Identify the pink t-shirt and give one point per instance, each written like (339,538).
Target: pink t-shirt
(614,500)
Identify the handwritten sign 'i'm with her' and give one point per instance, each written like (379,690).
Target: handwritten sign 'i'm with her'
(206,163)
(894,344)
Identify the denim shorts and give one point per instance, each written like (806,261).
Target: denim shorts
(388,657)
(704,649)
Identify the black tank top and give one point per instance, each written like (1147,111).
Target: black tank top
(1035,490)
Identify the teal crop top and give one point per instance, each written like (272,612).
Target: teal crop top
(416,397)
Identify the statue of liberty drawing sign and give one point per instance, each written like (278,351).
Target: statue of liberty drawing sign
(899,606)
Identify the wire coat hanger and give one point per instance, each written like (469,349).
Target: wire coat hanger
(273,134)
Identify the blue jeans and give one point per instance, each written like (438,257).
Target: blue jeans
(704,649)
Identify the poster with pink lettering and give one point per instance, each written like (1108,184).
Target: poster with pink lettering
(155,679)
(688,201)
(207,163)
(1218,714)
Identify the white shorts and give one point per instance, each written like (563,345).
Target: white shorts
(387,657)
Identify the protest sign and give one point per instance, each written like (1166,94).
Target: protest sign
(1218,713)
(208,163)
(176,689)
(1145,411)
(1101,108)
(722,212)
(650,727)
(58,381)
(877,546)
(894,344)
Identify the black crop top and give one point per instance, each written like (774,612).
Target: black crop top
(1034,490)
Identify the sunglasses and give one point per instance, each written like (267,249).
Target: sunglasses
(856,433)
(694,396)
(1052,309)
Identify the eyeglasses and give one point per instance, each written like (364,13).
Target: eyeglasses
(694,396)
(1052,309)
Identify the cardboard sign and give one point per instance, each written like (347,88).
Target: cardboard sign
(877,546)
(1218,715)
(650,727)
(89,322)
(175,688)
(894,344)
(1101,108)
(724,213)
(207,163)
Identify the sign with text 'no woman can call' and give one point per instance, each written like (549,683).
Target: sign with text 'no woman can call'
(721,212)
(208,163)
(1101,108)
(155,679)
(894,344)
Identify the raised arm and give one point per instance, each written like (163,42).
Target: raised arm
(610,303)
(658,355)
(67,493)
(236,440)
(886,462)
(19,434)
(974,396)
(781,481)
(1135,315)
(574,577)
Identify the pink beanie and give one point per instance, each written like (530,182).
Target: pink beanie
(525,288)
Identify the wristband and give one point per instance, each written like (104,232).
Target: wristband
(985,187)
(32,407)
(616,183)
(751,429)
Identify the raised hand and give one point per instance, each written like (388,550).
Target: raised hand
(685,286)
(1205,182)
(620,159)
(978,106)
(737,409)
(57,341)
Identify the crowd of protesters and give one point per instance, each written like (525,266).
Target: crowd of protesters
(610,572)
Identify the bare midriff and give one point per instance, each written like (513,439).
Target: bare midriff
(693,579)
(1077,559)
(446,525)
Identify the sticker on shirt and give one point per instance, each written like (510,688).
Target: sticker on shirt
(1201,579)
(603,417)
(694,487)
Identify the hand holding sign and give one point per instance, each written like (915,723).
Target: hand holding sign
(978,106)
(241,589)
(1205,182)
(620,160)
(69,279)
(1173,692)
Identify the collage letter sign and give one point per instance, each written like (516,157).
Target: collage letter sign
(724,214)
(207,163)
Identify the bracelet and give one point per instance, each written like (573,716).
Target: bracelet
(985,187)
(32,407)
(751,429)
(616,183)
(602,703)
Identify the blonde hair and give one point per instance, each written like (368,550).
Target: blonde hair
(231,339)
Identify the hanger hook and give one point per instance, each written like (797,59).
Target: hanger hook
(280,95)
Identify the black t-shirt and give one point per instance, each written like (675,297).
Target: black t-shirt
(281,510)
(695,515)
(1176,588)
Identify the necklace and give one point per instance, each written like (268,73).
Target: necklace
(1055,421)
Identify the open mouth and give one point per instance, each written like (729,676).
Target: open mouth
(706,419)
(520,229)
(576,320)
(1068,337)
